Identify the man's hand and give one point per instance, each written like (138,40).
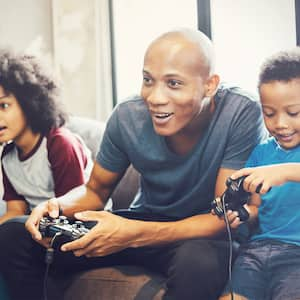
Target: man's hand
(51,208)
(111,234)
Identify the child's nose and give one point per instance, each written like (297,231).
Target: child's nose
(281,122)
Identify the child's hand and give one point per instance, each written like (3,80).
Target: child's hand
(233,219)
(50,207)
(261,178)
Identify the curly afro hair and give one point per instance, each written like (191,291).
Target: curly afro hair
(283,66)
(36,91)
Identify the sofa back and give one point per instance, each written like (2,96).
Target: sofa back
(91,131)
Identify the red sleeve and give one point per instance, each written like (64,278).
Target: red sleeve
(9,191)
(67,158)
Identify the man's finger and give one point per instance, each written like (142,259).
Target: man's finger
(79,244)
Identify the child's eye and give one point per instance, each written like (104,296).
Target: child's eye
(268,115)
(4,105)
(293,114)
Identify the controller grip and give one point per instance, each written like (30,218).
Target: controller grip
(243,214)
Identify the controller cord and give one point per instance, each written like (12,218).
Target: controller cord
(48,260)
(230,248)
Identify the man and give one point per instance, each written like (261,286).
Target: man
(185,135)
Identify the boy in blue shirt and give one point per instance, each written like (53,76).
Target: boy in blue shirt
(268,266)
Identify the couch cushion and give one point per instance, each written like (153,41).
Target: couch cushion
(91,131)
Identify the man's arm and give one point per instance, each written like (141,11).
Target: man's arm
(114,233)
(91,196)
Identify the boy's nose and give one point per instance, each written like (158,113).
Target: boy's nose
(281,122)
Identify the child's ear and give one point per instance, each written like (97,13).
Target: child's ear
(211,85)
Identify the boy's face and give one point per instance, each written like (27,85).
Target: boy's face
(174,85)
(281,108)
(12,119)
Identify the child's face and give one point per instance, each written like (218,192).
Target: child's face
(281,108)
(12,119)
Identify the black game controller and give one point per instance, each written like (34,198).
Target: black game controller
(234,198)
(50,227)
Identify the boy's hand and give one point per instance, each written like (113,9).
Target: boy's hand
(51,208)
(261,178)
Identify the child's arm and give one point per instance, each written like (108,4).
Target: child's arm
(268,176)
(14,208)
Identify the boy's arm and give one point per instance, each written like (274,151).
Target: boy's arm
(264,177)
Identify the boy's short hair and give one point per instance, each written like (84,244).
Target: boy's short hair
(35,89)
(282,66)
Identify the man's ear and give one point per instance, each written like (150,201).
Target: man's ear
(211,85)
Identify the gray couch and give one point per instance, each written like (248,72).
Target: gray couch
(120,282)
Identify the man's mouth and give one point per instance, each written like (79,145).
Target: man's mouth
(162,115)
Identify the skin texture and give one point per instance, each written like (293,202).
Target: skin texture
(178,87)
(13,126)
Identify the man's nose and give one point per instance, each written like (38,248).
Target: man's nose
(157,97)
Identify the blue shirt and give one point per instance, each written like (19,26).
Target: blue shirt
(279,213)
(181,185)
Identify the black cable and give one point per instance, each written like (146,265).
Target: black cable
(230,248)
(48,260)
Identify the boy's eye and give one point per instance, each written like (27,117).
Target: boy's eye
(268,114)
(293,114)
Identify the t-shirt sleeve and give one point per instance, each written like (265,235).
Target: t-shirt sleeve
(9,191)
(255,157)
(112,154)
(67,159)
(246,132)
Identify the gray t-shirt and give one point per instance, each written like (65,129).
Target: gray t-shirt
(181,185)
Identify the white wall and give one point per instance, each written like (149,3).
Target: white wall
(26,25)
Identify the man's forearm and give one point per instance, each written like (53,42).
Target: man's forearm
(79,199)
(154,233)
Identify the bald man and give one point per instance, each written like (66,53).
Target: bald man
(185,134)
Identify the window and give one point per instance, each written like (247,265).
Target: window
(136,23)
(245,32)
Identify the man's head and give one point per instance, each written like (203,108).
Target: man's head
(279,88)
(179,80)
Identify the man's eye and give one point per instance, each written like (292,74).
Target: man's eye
(147,80)
(174,83)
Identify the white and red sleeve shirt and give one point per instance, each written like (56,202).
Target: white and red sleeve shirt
(59,162)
